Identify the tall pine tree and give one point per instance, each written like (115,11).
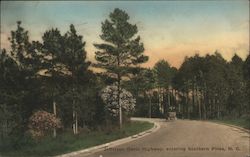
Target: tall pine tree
(74,58)
(19,85)
(52,65)
(121,51)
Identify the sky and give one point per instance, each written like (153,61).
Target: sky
(170,30)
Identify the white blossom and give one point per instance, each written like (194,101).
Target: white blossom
(109,96)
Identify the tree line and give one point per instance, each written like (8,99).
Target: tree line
(204,87)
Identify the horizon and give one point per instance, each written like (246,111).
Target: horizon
(170,30)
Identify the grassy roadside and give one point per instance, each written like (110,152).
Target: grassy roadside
(241,122)
(66,142)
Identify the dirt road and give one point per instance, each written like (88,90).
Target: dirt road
(185,138)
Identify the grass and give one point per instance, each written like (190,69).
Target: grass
(67,142)
(241,122)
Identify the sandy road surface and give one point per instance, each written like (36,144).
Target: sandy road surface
(185,138)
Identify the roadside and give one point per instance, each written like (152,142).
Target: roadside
(102,147)
(241,123)
(66,142)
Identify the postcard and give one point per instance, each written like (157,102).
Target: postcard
(147,78)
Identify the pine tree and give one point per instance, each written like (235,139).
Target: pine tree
(10,96)
(164,76)
(19,69)
(237,86)
(121,50)
(163,73)
(246,67)
(74,58)
(52,65)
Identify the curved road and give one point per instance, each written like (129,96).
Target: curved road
(185,138)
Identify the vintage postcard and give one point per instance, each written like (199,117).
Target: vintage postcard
(129,78)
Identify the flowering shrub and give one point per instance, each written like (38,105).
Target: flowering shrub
(41,122)
(109,96)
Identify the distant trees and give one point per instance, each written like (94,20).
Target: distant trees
(211,87)
(121,51)
(141,85)
(153,89)
(237,87)
(164,75)
(202,88)
(246,69)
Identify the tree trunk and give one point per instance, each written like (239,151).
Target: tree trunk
(198,102)
(173,98)
(159,98)
(183,107)
(193,97)
(150,106)
(118,88)
(210,107)
(74,126)
(218,112)
(119,101)
(54,110)
(188,112)
(76,122)
(169,101)
(176,102)
(218,109)
(204,105)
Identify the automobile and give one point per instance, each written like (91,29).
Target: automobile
(171,116)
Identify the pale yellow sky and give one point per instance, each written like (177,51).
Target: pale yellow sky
(169,30)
